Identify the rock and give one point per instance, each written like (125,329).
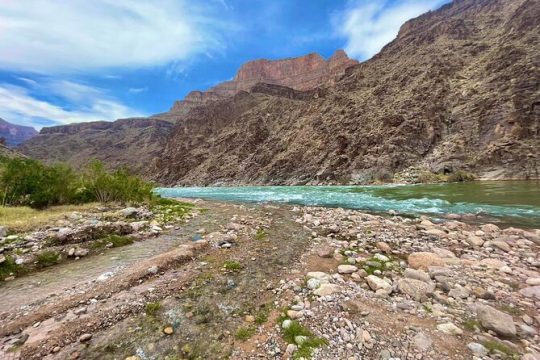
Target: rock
(327,289)
(475,241)
(249,318)
(325,252)
(477,349)
(384,247)
(300,339)
(450,329)
(2,259)
(443,253)
(168,330)
(436,232)
(3,231)
(459,292)
(416,289)
(80,252)
(85,337)
(417,275)
(129,212)
(423,260)
(495,320)
(291,348)
(531,291)
(490,228)
(64,233)
(422,341)
(379,285)
(533,281)
(501,245)
(293,314)
(381,257)
(153,270)
(105,276)
(286,323)
(80,311)
(347,269)
(313,283)
(319,275)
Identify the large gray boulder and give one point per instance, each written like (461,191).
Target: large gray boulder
(495,320)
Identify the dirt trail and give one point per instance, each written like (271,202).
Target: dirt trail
(201,300)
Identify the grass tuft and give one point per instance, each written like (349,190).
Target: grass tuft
(47,258)
(115,240)
(9,268)
(496,346)
(232,265)
(151,308)
(306,348)
(244,332)
(260,234)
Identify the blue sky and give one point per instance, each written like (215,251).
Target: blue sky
(78,60)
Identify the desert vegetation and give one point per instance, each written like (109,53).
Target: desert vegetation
(28,182)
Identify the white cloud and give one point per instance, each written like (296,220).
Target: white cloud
(369,25)
(137,90)
(19,105)
(58,36)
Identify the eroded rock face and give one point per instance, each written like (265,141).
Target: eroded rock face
(299,73)
(455,90)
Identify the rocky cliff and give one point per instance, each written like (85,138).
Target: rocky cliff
(457,89)
(300,73)
(15,134)
(132,143)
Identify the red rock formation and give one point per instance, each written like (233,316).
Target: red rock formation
(300,73)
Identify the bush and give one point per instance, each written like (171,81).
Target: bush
(8,267)
(47,258)
(152,308)
(117,186)
(461,176)
(244,333)
(28,182)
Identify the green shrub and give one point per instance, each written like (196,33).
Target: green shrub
(28,182)
(311,342)
(461,176)
(260,234)
(9,267)
(152,308)
(47,258)
(232,265)
(117,186)
(115,240)
(243,333)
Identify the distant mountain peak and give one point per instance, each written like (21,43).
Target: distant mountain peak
(300,73)
(15,134)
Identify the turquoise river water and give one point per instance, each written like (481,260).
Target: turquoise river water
(510,203)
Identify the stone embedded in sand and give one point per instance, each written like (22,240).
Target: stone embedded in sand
(531,291)
(168,330)
(417,275)
(449,329)
(416,289)
(422,260)
(85,337)
(327,289)
(422,341)
(493,319)
(379,285)
(347,269)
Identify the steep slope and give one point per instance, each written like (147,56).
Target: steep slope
(15,134)
(457,89)
(300,73)
(133,143)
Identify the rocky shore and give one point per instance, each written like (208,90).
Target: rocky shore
(277,282)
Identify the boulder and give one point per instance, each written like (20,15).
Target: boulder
(416,289)
(347,269)
(531,291)
(423,260)
(495,320)
(450,329)
(379,285)
(326,289)
(417,275)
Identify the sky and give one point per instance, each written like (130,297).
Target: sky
(78,60)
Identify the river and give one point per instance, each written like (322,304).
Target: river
(508,203)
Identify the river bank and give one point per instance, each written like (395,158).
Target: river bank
(250,281)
